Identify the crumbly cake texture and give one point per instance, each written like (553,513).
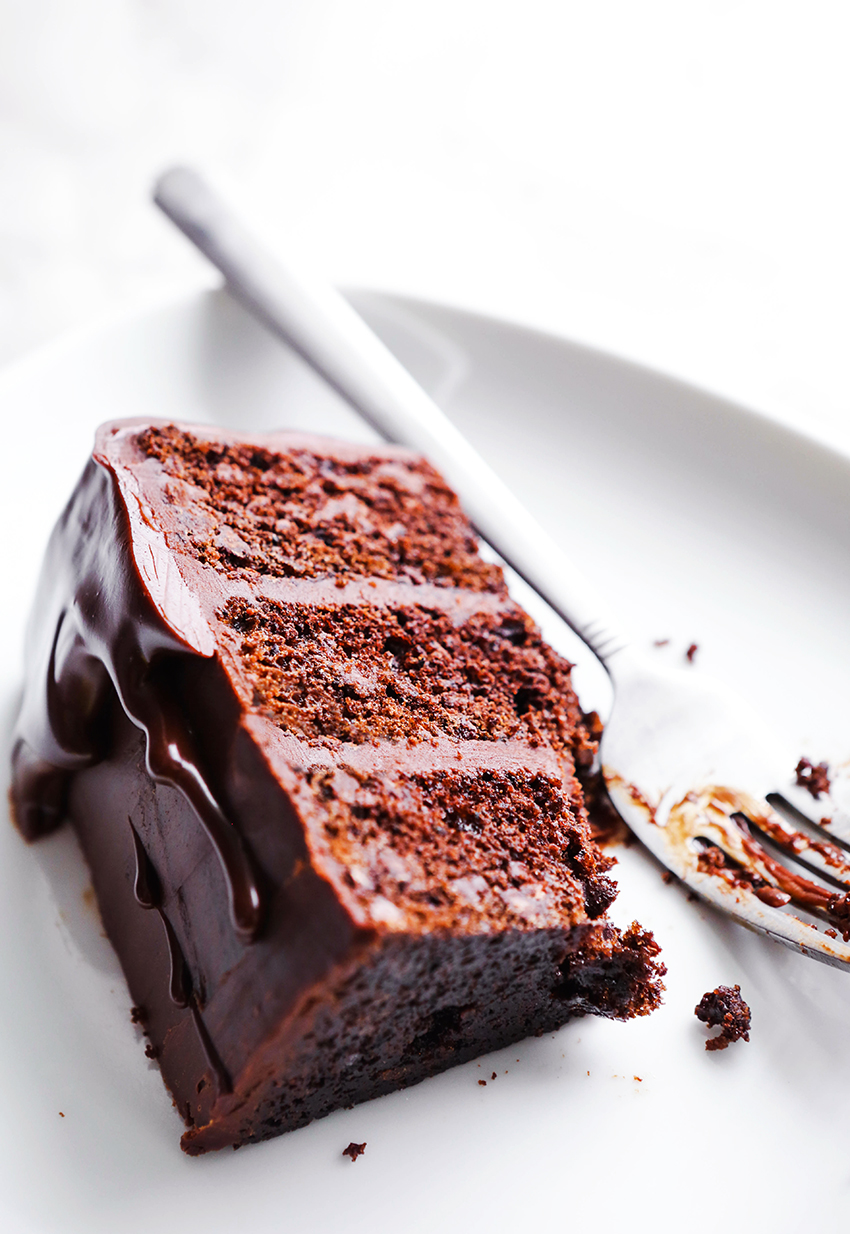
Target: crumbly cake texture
(724,1008)
(323,769)
(814,777)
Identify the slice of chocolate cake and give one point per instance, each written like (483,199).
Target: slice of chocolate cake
(322,768)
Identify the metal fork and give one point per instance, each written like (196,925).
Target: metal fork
(686,763)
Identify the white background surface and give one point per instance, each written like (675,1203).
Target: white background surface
(665,179)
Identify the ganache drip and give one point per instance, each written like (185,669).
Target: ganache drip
(146,885)
(171,760)
(147,890)
(180,979)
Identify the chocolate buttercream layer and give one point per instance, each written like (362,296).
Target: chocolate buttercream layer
(323,771)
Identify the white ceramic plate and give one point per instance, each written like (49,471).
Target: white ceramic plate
(709,525)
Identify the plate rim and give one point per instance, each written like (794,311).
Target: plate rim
(53,350)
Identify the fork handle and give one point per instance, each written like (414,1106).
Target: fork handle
(319,324)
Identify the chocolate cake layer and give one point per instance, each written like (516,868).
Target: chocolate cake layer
(323,771)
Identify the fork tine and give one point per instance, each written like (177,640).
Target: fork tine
(717,815)
(720,816)
(812,897)
(800,804)
(783,927)
(820,856)
(802,813)
(737,841)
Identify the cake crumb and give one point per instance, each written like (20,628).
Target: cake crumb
(61,1115)
(691,652)
(493,1076)
(667,877)
(354,1150)
(838,908)
(724,1008)
(814,778)
(639,1079)
(483,1083)
(661,642)
(137,1015)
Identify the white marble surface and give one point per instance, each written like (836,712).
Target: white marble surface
(666,180)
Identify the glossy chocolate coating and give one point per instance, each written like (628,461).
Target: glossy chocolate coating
(100,624)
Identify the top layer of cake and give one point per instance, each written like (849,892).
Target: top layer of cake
(308,513)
